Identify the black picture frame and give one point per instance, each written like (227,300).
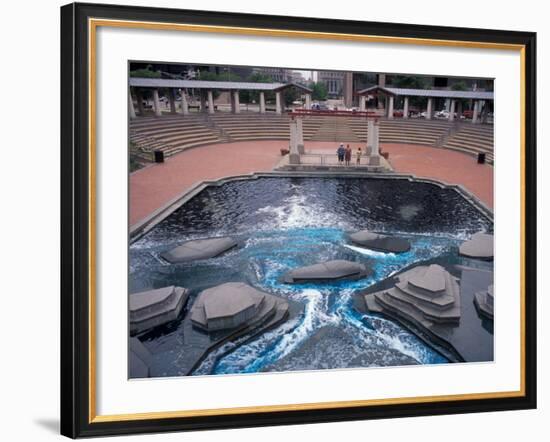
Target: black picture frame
(77,418)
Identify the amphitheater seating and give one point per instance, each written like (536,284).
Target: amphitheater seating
(174,133)
(171,134)
(473,139)
(254,126)
(423,132)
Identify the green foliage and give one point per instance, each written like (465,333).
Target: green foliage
(254,96)
(319,91)
(408,82)
(460,86)
(290,94)
(145,73)
(224,76)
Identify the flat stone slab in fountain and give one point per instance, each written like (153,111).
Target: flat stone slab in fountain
(327,271)
(379,242)
(479,246)
(139,359)
(484,301)
(431,279)
(467,339)
(199,249)
(155,307)
(228,306)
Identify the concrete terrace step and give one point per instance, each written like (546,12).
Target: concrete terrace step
(470,143)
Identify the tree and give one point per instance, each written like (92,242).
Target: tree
(319,91)
(148,72)
(249,96)
(460,86)
(408,81)
(290,95)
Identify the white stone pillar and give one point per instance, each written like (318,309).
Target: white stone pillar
(131,105)
(156,103)
(452,110)
(232,101)
(429,110)
(406,107)
(210,101)
(300,135)
(370,135)
(390,108)
(262,102)
(374,159)
(237,103)
(475,116)
(203,101)
(184,104)
(172,100)
(278,108)
(294,156)
(362,103)
(308,101)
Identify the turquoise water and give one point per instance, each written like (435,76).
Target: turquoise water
(326,305)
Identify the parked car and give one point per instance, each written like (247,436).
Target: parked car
(398,113)
(468,114)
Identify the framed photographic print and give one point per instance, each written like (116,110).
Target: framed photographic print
(274,220)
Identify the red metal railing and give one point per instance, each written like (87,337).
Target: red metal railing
(334,113)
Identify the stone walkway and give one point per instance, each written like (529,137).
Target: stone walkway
(155,185)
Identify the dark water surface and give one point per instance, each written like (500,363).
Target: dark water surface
(282,223)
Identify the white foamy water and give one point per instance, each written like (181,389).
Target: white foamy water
(368,252)
(297,212)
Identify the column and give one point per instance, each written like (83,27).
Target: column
(374,159)
(308,101)
(362,103)
(370,135)
(390,108)
(278,109)
(262,102)
(452,110)
(237,104)
(172,99)
(406,107)
(232,101)
(429,109)
(184,104)
(348,89)
(131,105)
(203,101)
(294,156)
(156,102)
(139,97)
(210,101)
(300,135)
(475,116)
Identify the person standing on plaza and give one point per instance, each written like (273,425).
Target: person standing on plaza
(347,155)
(341,152)
(359,153)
